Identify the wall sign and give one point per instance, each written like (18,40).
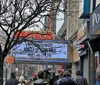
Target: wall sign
(37,35)
(82,31)
(95,20)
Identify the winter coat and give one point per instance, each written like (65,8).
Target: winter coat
(40,82)
(68,80)
(21,84)
(12,82)
(81,80)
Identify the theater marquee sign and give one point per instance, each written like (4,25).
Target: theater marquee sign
(95,21)
(36,35)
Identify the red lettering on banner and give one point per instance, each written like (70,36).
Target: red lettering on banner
(42,37)
(22,34)
(38,36)
(50,36)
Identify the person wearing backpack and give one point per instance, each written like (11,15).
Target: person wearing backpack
(79,79)
(66,79)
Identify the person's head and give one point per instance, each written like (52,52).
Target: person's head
(69,71)
(21,79)
(98,72)
(41,74)
(78,73)
(13,74)
(66,73)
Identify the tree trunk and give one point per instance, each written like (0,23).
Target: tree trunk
(1,66)
(1,72)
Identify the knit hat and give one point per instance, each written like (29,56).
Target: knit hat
(21,78)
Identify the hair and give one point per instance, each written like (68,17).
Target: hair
(13,74)
(78,73)
(98,72)
(21,79)
(66,73)
(69,71)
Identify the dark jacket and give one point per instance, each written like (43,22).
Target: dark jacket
(81,80)
(12,82)
(68,80)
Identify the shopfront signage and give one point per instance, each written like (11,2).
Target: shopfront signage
(95,20)
(10,59)
(36,35)
(82,32)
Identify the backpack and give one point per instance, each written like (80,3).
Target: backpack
(82,81)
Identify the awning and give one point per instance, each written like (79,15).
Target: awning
(94,44)
(43,61)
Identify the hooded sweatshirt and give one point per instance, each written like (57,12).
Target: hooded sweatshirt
(68,80)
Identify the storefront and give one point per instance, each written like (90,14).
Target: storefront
(94,42)
(94,31)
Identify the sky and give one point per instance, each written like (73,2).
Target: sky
(59,22)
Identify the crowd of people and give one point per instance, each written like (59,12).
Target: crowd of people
(44,78)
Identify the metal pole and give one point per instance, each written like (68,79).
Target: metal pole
(6,76)
(92,66)
(22,70)
(10,65)
(1,66)
(9,70)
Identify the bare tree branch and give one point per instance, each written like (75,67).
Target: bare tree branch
(19,15)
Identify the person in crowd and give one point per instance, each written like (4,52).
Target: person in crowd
(12,80)
(47,76)
(66,79)
(98,75)
(35,78)
(22,80)
(54,79)
(40,80)
(79,79)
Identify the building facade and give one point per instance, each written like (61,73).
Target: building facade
(69,32)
